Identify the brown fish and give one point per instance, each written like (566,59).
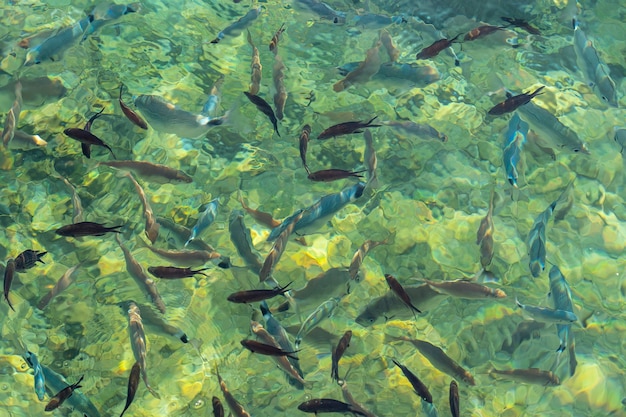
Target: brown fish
(86,138)
(341,347)
(470,290)
(366,70)
(278,248)
(480,32)
(280,97)
(418,385)
(269,350)
(185,257)
(265,219)
(157,173)
(346,128)
(395,286)
(347,396)
(64,394)
(522,24)
(9,273)
(130,114)
(233,404)
(250,296)
(86,229)
(511,103)
(255,68)
(328,175)
(138,343)
(64,282)
(484,235)
(133,383)
(304,145)
(434,49)
(529,376)
(13,116)
(172,272)
(28,259)
(454,399)
(151,227)
(359,256)
(264,108)
(387,41)
(276,38)
(218,408)
(328,405)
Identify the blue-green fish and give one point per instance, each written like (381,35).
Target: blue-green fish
(537,241)
(548,315)
(105,12)
(205,219)
(620,138)
(324,311)
(40,380)
(323,10)
(241,238)
(562,299)
(514,140)
(53,47)
(79,401)
(236,28)
(210,107)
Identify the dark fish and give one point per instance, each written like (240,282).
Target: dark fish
(264,108)
(395,286)
(454,399)
(522,24)
(130,114)
(86,229)
(63,395)
(418,386)
(133,383)
(28,259)
(434,49)
(346,128)
(250,296)
(276,37)
(9,272)
(328,175)
(263,349)
(512,103)
(86,138)
(218,408)
(172,272)
(343,344)
(480,31)
(328,405)
(304,144)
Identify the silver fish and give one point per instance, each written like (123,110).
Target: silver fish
(151,227)
(53,47)
(241,238)
(514,140)
(13,116)
(324,311)
(466,289)
(529,376)
(26,141)
(205,219)
(65,281)
(537,241)
(277,249)
(234,29)
(279,333)
(548,315)
(138,342)
(321,9)
(562,300)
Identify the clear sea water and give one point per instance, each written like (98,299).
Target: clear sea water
(429,203)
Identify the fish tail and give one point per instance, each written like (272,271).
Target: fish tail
(114,229)
(6,297)
(369,124)
(153,392)
(537,91)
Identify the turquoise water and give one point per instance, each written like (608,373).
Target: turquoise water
(429,202)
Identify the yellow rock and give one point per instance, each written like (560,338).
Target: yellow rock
(190,390)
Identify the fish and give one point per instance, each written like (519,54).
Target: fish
(536,241)
(60,397)
(332,282)
(526,330)
(333,174)
(264,108)
(264,349)
(265,219)
(205,219)
(480,31)
(419,129)
(76,203)
(359,256)
(86,229)
(550,129)
(92,119)
(433,50)
(277,249)
(322,312)
(387,41)
(106,12)
(135,270)
(364,72)
(36,91)
(371,161)
(255,68)
(79,401)
(28,259)
(151,227)
(187,257)
(420,389)
(133,384)
(282,360)
(172,272)
(218,408)
(131,114)
(418,75)
(454,399)
(241,239)
(280,96)
(276,38)
(548,315)
(210,107)
(86,138)
(395,286)
(13,116)
(338,352)
(514,140)
(321,9)
(154,318)
(530,376)
(38,375)
(429,409)
(522,24)
(562,299)
(234,406)
(328,405)
(25,141)
(466,289)
(512,103)
(346,128)
(149,171)
(347,396)
(620,138)
(9,273)
(138,343)
(594,69)
(250,296)
(53,47)
(234,29)
(179,235)
(304,144)
(484,235)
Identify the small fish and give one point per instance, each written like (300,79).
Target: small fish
(38,376)
(276,38)
(434,49)
(529,376)
(420,389)
(484,235)
(250,296)
(172,272)
(328,175)
(157,173)
(138,343)
(514,140)
(130,114)
(536,241)
(186,257)
(210,107)
(237,27)
(347,396)
(76,203)
(548,315)
(562,299)
(65,281)
(9,273)
(359,256)
(322,312)
(151,227)
(218,408)
(13,116)
(78,401)
(264,349)
(364,71)
(328,405)
(256,69)
(86,229)
(205,219)
(387,41)
(28,259)
(56,401)
(280,96)
(454,399)
(304,144)
(277,249)
(264,108)
(341,347)
(511,103)
(346,128)
(26,141)
(233,404)
(466,289)
(86,138)
(619,137)
(265,219)
(526,330)
(480,32)
(522,24)
(133,384)
(395,286)
(419,129)
(241,238)
(322,10)
(92,119)
(371,161)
